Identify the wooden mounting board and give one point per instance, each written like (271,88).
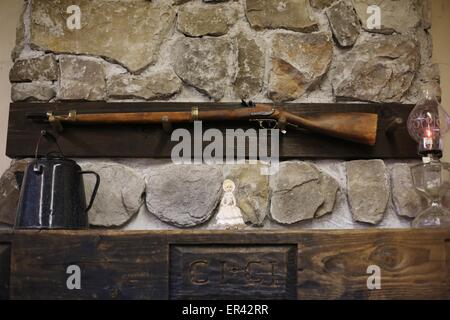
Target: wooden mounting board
(303,264)
(150,141)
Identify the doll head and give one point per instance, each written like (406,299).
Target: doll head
(228,186)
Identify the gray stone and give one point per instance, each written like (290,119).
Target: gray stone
(407,201)
(130,33)
(381,69)
(321,4)
(430,72)
(184,195)
(299,62)
(425,7)
(250,73)
(9,192)
(398,16)
(199,20)
(344,23)
(273,14)
(329,188)
(292,174)
(202,63)
(368,190)
(119,196)
(81,79)
(296,192)
(424,41)
(156,85)
(252,191)
(43,68)
(32,91)
(20,36)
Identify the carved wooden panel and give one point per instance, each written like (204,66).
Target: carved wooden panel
(233,272)
(152,141)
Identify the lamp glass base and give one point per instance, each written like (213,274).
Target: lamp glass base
(433,217)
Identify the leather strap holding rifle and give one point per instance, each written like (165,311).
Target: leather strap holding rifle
(353,126)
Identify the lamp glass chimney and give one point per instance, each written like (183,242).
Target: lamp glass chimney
(427,124)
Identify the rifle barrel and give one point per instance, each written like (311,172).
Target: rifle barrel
(352,126)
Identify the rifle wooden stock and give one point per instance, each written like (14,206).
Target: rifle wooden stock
(353,126)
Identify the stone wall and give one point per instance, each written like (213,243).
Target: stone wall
(291,50)
(264,50)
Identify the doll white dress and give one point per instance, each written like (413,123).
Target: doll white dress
(229,214)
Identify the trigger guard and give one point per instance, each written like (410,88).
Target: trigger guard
(268,127)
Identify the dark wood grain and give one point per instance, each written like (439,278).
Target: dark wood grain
(136,141)
(5,262)
(325,264)
(413,266)
(112,267)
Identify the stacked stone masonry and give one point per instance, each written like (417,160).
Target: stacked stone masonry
(264,50)
(157,194)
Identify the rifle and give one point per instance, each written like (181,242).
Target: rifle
(353,126)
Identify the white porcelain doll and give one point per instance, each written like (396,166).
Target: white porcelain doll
(229,215)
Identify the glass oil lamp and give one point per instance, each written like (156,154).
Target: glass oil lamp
(427,125)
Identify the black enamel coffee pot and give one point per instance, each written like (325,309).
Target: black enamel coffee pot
(52,193)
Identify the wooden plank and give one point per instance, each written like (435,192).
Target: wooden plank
(329,264)
(151,141)
(5,261)
(413,266)
(233,272)
(6,235)
(112,267)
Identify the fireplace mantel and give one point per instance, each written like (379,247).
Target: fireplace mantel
(302,264)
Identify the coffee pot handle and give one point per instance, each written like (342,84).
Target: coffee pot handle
(94,192)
